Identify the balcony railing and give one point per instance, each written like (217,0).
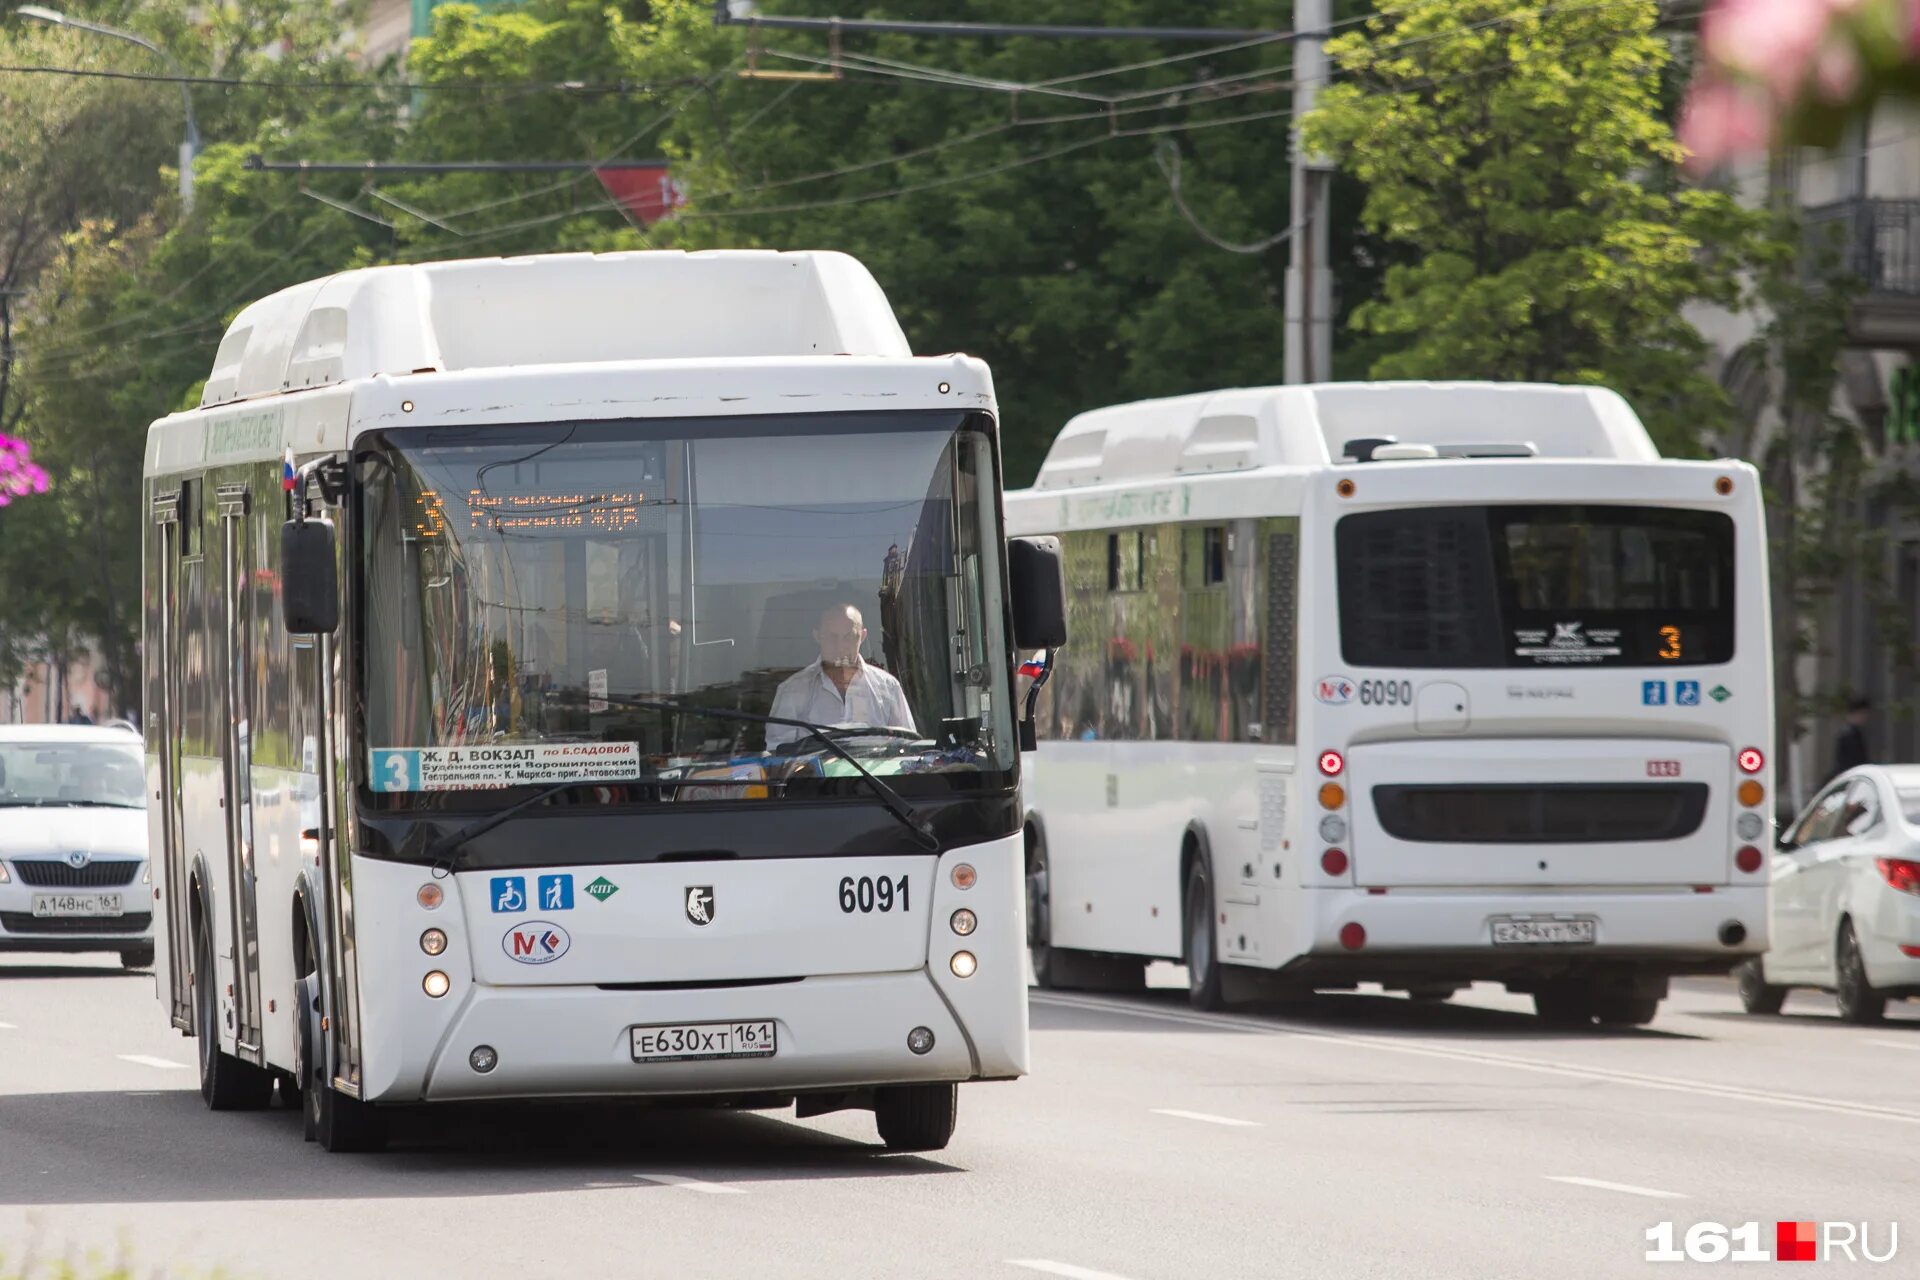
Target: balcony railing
(1878,240)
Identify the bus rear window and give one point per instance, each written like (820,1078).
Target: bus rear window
(1548,585)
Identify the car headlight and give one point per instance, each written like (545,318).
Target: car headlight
(146,871)
(4,877)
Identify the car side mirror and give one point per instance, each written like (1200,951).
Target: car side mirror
(309,578)
(1037,586)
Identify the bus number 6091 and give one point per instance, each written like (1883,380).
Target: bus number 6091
(867,894)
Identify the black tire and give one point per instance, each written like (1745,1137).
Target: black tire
(1757,995)
(329,1117)
(1565,1004)
(1431,995)
(137,957)
(1624,1009)
(226,1082)
(1858,1002)
(916,1117)
(1203,958)
(1064,968)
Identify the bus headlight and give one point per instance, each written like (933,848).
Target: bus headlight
(963,964)
(963,922)
(436,984)
(433,942)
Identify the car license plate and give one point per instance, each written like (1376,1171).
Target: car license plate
(1511,932)
(76,904)
(682,1041)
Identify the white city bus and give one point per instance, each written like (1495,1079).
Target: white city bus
(468,590)
(1416,684)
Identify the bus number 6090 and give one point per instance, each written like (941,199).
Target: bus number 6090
(1386,693)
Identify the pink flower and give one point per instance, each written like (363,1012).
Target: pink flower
(1723,121)
(1773,41)
(1836,72)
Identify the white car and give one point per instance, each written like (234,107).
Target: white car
(74,874)
(1846,898)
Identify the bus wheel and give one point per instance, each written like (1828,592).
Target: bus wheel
(1063,968)
(1564,1004)
(1757,996)
(1624,1009)
(1040,920)
(1203,964)
(329,1117)
(1859,1002)
(137,957)
(226,1082)
(1431,995)
(916,1117)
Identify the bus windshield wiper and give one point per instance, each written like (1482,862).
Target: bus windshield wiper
(446,844)
(909,817)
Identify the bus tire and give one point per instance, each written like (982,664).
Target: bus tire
(226,1082)
(1858,1002)
(1203,959)
(1757,995)
(916,1117)
(137,957)
(1438,994)
(327,1116)
(1567,1004)
(1625,1009)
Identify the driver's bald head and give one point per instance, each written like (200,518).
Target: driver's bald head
(839,635)
(837,613)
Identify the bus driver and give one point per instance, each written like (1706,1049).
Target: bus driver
(840,688)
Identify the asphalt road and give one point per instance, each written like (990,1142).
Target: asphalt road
(1370,1137)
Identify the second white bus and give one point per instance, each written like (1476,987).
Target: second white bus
(1415,684)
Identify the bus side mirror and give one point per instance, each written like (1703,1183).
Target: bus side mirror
(1037,584)
(309,578)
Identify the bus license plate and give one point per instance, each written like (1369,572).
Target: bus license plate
(47,905)
(682,1041)
(1533,933)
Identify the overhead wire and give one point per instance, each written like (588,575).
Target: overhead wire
(584,87)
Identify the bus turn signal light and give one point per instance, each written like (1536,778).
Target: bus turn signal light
(964,875)
(1332,795)
(1752,793)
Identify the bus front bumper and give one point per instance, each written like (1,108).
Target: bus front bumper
(830,1032)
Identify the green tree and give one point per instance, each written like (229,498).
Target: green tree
(1520,153)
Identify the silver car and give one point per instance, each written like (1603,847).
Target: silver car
(74,875)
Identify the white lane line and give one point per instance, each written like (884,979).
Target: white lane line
(1204,1118)
(146,1060)
(1884,1044)
(1062,1269)
(1629,1188)
(8,1026)
(692,1184)
(1537,1066)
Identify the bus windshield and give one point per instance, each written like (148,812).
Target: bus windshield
(525,586)
(1548,585)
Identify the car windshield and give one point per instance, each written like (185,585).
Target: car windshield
(526,585)
(71,773)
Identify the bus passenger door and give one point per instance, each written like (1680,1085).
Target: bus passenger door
(237,748)
(174,957)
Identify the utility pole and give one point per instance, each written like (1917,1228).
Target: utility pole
(1309,288)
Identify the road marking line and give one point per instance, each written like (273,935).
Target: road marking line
(1204,1117)
(146,1060)
(1062,1269)
(1619,1186)
(8,1026)
(1884,1044)
(691,1184)
(1537,1066)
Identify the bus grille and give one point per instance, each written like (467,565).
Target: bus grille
(27,922)
(1540,813)
(46,873)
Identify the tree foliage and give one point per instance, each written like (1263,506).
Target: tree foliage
(1520,153)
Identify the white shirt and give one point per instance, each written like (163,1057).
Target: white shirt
(872,697)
